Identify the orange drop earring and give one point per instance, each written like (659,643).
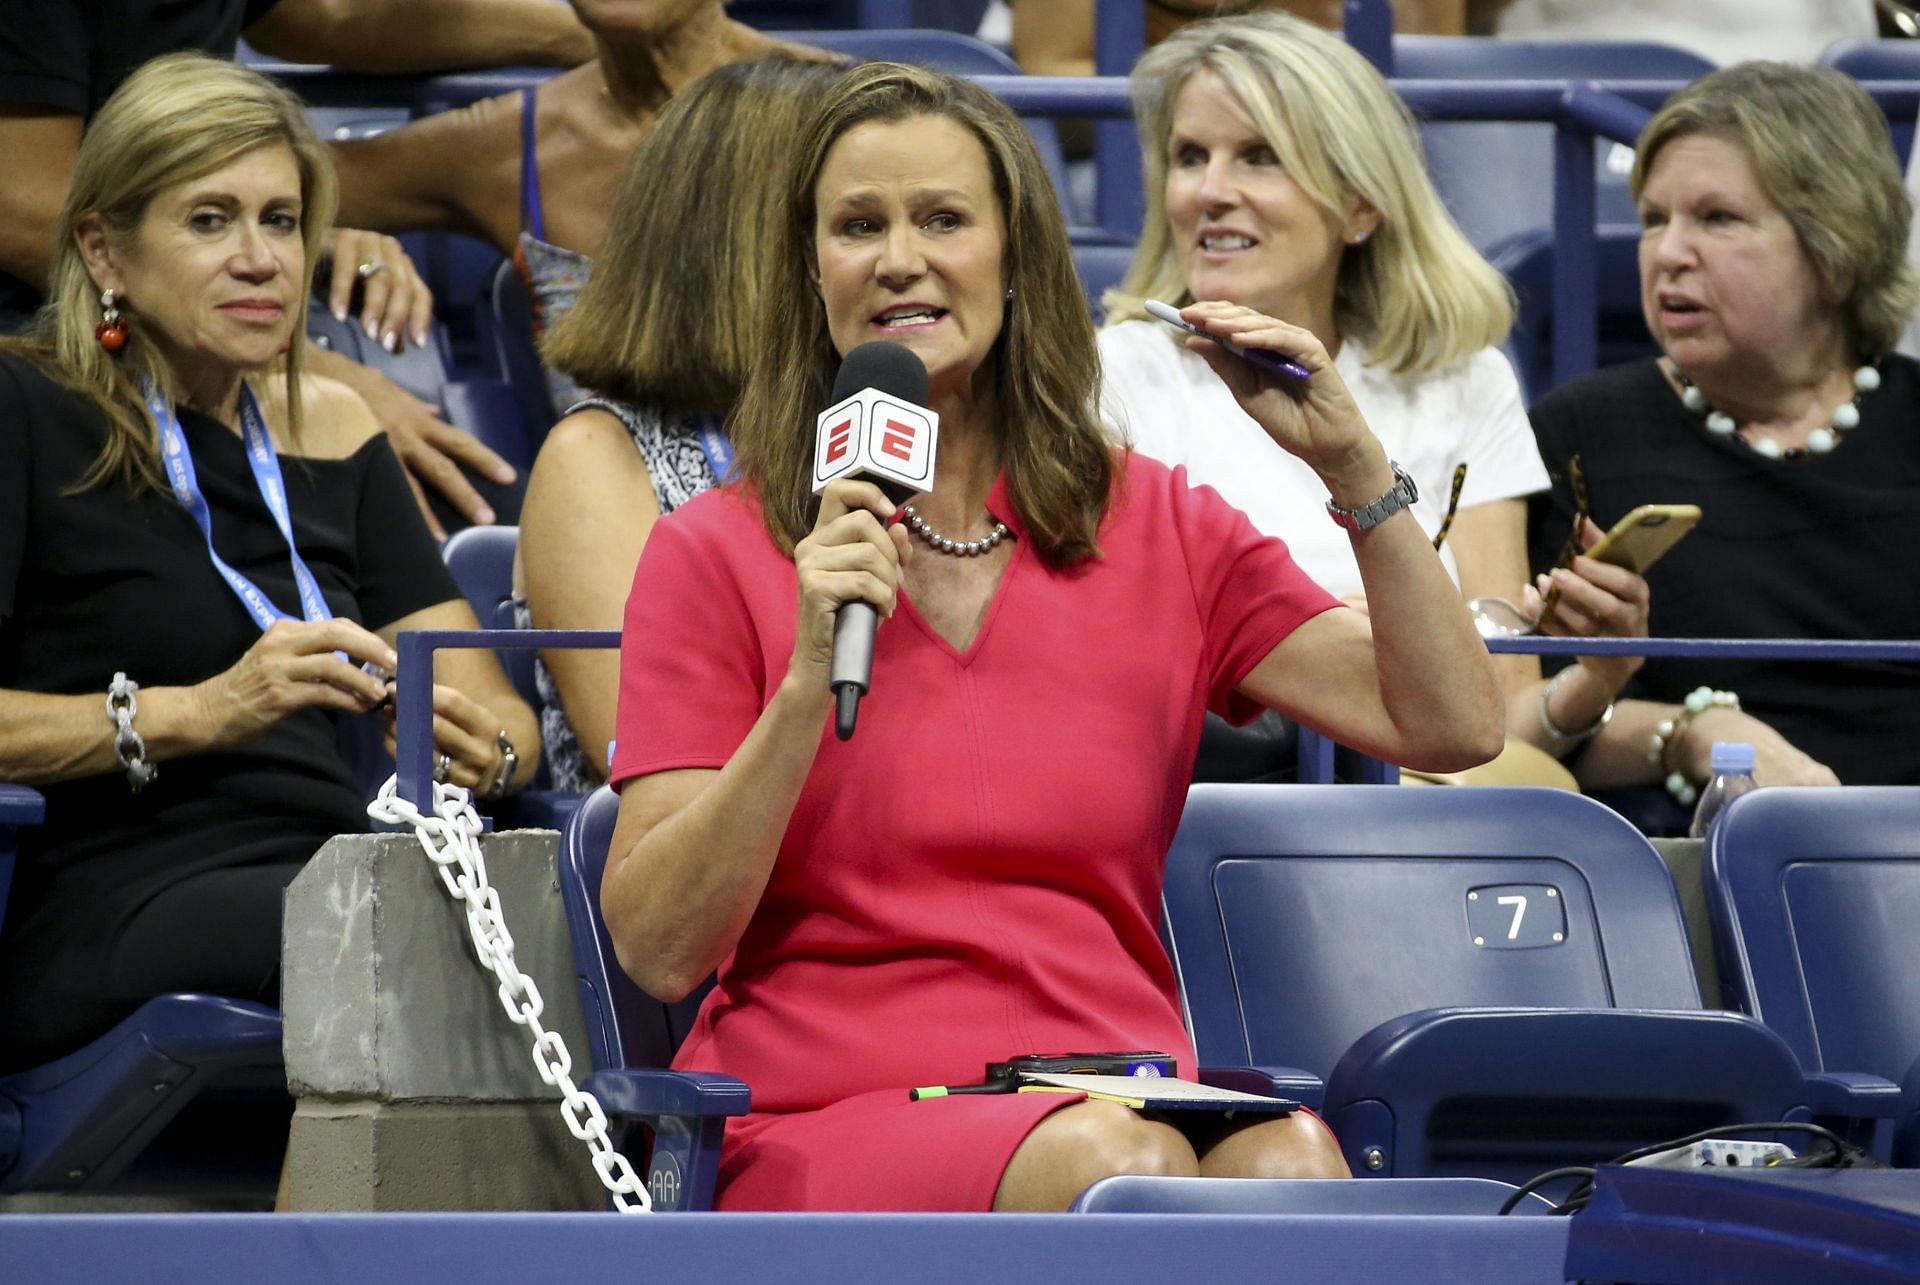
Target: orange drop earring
(112,331)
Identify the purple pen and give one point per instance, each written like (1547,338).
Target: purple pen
(1269,361)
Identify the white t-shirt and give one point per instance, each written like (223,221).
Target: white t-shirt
(1166,402)
(1726,31)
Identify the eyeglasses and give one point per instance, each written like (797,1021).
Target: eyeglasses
(1577,483)
(1453,505)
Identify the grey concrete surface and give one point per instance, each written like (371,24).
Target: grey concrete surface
(413,1089)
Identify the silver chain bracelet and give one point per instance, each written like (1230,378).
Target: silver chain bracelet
(128,745)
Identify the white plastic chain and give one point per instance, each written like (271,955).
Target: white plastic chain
(451,837)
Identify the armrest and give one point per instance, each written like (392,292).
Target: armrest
(1509,1089)
(645,1093)
(1303,1087)
(1851,1094)
(20,806)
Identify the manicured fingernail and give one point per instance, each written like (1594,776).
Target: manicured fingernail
(505,475)
(484,516)
(391,342)
(419,335)
(373,330)
(340,312)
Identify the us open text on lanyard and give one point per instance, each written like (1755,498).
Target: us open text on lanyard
(715,446)
(265,462)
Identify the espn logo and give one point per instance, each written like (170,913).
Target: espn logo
(876,436)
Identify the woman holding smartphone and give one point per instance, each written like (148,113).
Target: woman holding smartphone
(1773,277)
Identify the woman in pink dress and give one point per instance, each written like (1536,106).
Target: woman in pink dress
(976,874)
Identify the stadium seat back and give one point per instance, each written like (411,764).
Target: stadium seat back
(1880,60)
(1497,176)
(1815,894)
(1304,916)
(625,1025)
(948,51)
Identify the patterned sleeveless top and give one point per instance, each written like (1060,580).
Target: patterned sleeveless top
(681,468)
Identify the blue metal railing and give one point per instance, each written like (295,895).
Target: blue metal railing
(1580,110)
(413,684)
(413,689)
(1316,751)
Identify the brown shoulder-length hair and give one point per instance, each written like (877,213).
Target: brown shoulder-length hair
(1821,153)
(1058,464)
(176,119)
(668,317)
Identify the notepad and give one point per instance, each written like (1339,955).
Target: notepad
(1157,1093)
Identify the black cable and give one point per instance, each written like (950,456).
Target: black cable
(1528,1187)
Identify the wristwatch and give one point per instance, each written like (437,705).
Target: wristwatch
(503,779)
(1400,495)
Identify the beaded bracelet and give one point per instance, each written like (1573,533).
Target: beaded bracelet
(1564,742)
(128,745)
(1666,739)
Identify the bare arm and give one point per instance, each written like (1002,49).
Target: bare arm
(422,35)
(1618,756)
(1419,688)
(44,739)
(1054,38)
(443,172)
(588,511)
(693,849)
(39,145)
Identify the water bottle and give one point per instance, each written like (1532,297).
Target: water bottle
(1732,777)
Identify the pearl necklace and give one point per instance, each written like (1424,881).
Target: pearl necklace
(1846,416)
(958,548)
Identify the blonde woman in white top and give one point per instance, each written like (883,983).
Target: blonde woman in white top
(1282,173)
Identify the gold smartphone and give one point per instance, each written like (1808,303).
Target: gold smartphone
(1638,540)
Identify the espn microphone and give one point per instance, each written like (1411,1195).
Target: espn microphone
(877,430)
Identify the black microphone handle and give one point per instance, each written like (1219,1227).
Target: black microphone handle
(851,673)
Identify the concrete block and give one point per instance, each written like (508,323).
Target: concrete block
(369,1156)
(383,998)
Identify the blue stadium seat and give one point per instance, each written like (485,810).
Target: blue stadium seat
(632,1036)
(1814,895)
(1345,930)
(1880,60)
(88,1121)
(953,52)
(1101,268)
(20,807)
(507,322)
(1526,260)
(481,561)
(1141,1194)
(1497,176)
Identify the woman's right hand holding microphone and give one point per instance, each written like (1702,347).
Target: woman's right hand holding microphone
(851,553)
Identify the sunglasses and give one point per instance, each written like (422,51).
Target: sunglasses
(1453,505)
(1577,483)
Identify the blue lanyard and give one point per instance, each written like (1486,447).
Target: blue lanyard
(715,446)
(266,475)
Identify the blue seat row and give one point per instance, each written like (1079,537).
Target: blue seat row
(1477,983)
(1481,983)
